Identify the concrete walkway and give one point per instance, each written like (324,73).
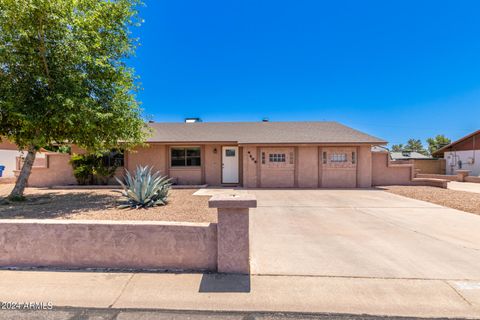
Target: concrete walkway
(464,186)
(401,297)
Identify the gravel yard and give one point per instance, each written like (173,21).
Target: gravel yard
(461,200)
(98,204)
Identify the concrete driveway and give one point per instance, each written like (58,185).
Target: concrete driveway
(361,233)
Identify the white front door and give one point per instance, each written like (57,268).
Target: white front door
(230,165)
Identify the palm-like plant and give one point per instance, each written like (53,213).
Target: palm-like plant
(144,189)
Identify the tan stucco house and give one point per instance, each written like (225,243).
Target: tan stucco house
(259,154)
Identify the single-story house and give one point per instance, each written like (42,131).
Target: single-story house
(259,154)
(462,154)
(421,163)
(248,154)
(408,155)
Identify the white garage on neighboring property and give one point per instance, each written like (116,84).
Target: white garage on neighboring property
(463,154)
(8,158)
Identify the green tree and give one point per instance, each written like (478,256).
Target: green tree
(438,142)
(415,145)
(397,147)
(63,77)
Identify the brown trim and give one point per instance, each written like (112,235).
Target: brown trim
(293,144)
(240,166)
(259,167)
(167,160)
(221,164)
(356,167)
(181,143)
(295,167)
(287,144)
(202,164)
(320,166)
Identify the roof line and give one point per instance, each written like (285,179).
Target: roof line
(315,143)
(268,143)
(457,141)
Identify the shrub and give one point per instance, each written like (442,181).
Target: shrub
(144,189)
(90,169)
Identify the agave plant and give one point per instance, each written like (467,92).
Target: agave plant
(144,189)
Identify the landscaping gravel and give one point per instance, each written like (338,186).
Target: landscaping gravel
(461,200)
(101,204)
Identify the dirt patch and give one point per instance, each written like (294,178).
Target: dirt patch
(91,204)
(460,200)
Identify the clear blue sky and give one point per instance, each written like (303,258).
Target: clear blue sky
(394,69)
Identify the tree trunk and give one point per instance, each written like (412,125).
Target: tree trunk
(22,179)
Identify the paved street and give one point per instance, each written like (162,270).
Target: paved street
(112,314)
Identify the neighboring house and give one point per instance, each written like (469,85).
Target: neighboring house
(260,154)
(8,157)
(408,155)
(421,163)
(462,154)
(11,158)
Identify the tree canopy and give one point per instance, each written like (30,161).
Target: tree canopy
(412,145)
(437,142)
(63,76)
(398,147)
(416,145)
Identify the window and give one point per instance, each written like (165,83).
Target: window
(263,157)
(276,157)
(324,157)
(229,152)
(338,157)
(185,157)
(114,158)
(354,159)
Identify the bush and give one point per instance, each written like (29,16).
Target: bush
(90,169)
(144,189)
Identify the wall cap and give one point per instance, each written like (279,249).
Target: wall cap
(69,222)
(232,201)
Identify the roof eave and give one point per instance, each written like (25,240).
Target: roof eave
(443,149)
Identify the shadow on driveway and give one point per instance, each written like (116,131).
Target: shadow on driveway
(224,283)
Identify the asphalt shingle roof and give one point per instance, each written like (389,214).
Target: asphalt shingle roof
(259,132)
(408,155)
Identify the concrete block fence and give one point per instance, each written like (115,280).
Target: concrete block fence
(221,246)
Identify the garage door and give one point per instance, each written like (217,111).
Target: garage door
(339,167)
(277,167)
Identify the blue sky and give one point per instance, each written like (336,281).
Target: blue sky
(394,69)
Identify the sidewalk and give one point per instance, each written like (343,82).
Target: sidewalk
(464,186)
(373,296)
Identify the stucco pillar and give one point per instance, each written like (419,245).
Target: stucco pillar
(233,231)
(364,166)
(461,174)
